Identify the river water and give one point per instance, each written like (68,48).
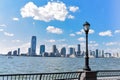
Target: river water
(19,64)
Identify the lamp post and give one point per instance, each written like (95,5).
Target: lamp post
(86,29)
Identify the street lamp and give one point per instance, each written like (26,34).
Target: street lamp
(86,29)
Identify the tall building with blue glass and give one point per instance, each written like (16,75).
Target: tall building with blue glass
(18,51)
(72,50)
(63,51)
(97,53)
(29,51)
(54,49)
(33,46)
(42,49)
(78,50)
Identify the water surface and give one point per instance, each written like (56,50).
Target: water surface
(19,64)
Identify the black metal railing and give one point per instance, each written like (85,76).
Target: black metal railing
(108,75)
(101,75)
(43,76)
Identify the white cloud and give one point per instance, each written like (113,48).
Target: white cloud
(73,8)
(72,34)
(51,40)
(23,48)
(91,31)
(92,42)
(93,45)
(106,33)
(83,45)
(62,40)
(15,19)
(113,50)
(29,10)
(51,11)
(3,25)
(81,39)
(117,31)
(16,41)
(111,43)
(8,34)
(1,30)
(80,32)
(71,17)
(71,46)
(52,29)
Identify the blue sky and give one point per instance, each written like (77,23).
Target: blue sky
(59,22)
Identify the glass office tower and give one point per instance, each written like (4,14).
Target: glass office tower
(33,46)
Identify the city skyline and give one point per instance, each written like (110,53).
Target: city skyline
(63,52)
(59,22)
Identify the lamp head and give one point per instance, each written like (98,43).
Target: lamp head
(86,27)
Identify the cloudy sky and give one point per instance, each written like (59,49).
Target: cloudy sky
(59,22)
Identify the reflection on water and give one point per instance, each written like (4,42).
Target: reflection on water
(53,64)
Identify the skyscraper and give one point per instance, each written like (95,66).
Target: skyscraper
(42,49)
(78,50)
(33,46)
(9,53)
(29,51)
(15,53)
(72,50)
(102,53)
(54,49)
(18,51)
(63,51)
(97,53)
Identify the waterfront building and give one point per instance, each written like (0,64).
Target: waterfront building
(107,55)
(78,50)
(93,53)
(82,53)
(42,50)
(15,53)
(18,51)
(102,53)
(117,54)
(57,54)
(90,53)
(33,46)
(97,53)
(72,50)
(54,48)
(46,54)
(63,52)
(52,54)
(29,50)
(24,54)
(9,53)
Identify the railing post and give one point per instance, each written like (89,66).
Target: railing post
(89,75)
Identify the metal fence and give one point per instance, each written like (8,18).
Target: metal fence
(43,76)
(108,75)
(101,75)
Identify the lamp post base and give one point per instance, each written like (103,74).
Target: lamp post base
(87,68)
